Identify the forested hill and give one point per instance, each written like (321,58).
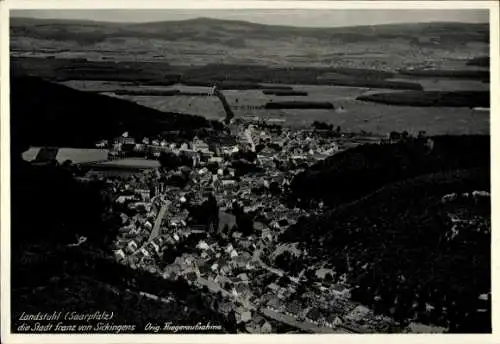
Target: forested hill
(216,30)
(356,172)
(45,113)
(409,251)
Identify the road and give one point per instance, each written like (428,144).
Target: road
(156,227)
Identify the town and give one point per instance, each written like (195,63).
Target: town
(212,215)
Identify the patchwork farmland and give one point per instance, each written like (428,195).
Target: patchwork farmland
(350,114)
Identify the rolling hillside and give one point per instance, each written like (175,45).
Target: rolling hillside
(203,29)
(204,40)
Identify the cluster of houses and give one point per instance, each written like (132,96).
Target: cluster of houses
(126,146)
(204,261)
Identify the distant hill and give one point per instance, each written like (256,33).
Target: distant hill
(212,29)
(206,40)
(45,113)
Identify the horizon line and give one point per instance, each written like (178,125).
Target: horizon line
(245,21)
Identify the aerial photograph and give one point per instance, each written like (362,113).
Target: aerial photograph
(259,171)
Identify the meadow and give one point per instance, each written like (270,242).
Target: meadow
(208,107)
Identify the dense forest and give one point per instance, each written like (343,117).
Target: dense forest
(351,174)
(407,253)
(431,98)
(409,223)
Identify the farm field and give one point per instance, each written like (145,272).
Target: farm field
(353,115)
(382,119)
(111,86)
(240,100)
(208,107)
(349,113)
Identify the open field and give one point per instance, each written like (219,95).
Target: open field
(349,113)
(208,107)
(382,119)
(239,100)
(354,115)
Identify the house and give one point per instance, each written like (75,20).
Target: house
(144,252)
(191,276)
(156,247)
(132,245)
(340,291)
(243,316)
(124,218)
(266,328)
(274,287)
(120,254)
(259,226)
(216,160)
(294,308)
(360,312)
(228,182)
(122,199)
(205,269)
(148,225)
(314,315)
(333,320)
(242,290)
(274,303)
(282,292)
(202,245)
(229,248)
(243,277)
(233,254)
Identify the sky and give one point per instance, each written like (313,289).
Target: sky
(296,17)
